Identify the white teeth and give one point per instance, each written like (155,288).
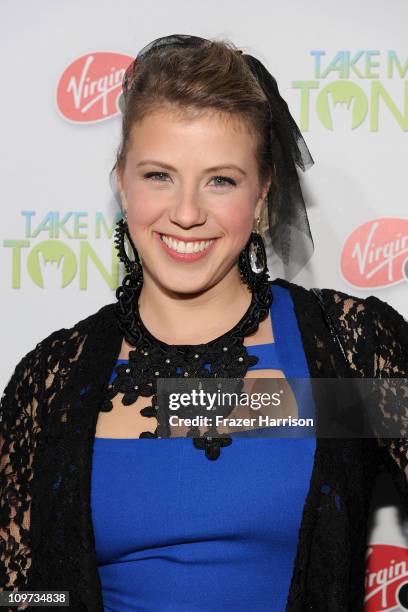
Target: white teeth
(186,247)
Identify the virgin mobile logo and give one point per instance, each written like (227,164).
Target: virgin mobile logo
(386,580)
(375,254)
(89,88)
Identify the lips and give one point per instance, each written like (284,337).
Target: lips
(169,244)
(184,246)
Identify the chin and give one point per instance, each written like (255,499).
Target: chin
(186,288)
(183,283)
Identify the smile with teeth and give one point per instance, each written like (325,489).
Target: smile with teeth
(185,247)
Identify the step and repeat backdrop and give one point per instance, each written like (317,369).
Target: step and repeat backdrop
(344,73)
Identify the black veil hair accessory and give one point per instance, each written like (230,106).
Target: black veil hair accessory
(289,230)
(289,242)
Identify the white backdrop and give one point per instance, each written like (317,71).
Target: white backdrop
(343,70)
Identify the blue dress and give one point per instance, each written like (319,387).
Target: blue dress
(177,532)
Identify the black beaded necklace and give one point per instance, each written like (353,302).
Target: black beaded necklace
(151,359)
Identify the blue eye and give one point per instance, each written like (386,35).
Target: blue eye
(225,179)
(149,175)
(158,176)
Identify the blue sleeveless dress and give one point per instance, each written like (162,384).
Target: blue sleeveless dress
(177,532)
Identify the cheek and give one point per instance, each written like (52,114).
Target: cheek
(235,215)
(144,208)
(238,219)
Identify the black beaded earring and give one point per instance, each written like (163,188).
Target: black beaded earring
(133,266)
(253,264)
(127,293)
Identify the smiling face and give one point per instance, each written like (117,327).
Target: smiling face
(191,190)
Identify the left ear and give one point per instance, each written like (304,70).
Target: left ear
(266,186)
(261,203)
(263,194)
(258,208)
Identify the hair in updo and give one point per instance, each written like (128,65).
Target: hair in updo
(196,80)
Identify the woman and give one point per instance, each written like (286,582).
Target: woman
(208,152)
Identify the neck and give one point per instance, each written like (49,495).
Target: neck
(193,318)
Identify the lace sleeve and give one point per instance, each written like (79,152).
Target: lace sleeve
(390,355)
(19,428)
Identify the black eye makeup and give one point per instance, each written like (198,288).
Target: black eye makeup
(159,176)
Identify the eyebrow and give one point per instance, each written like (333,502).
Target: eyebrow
(212,169)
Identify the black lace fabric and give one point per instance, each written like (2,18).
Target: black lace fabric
(386,341)
(48,420)
(19,437)
(38,379)
(389,345)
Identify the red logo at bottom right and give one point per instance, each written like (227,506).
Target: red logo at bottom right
(386,580)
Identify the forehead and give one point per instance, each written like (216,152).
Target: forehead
(191,127)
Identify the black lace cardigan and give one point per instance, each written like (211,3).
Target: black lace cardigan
(48,420)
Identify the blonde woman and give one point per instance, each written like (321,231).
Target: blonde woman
(92,501)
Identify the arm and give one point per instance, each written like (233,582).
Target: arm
(389,332)
(19,429)
(374,343)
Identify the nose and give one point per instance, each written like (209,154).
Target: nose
(188,212)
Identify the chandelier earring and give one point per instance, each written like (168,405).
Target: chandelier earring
(253,265)
(133,266)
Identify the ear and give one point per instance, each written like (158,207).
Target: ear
(266,186)
(261,203)
(119,181)
(258,208)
